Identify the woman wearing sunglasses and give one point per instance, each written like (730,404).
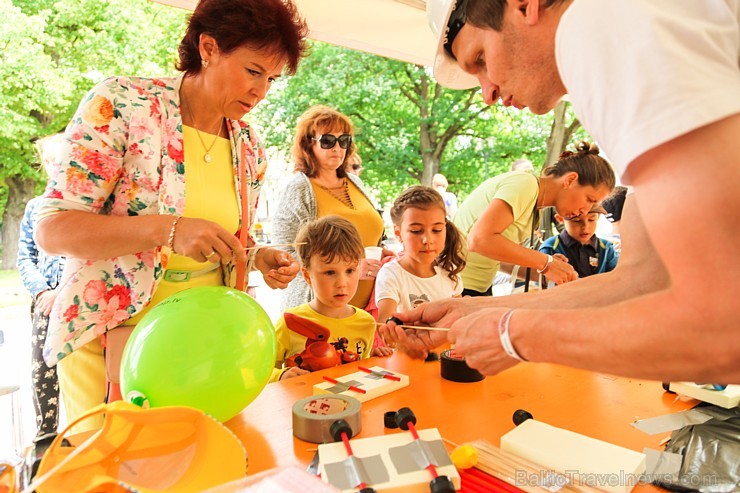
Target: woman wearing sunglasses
(322,186)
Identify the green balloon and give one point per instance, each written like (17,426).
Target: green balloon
(211,348)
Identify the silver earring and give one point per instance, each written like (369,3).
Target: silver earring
(204,63)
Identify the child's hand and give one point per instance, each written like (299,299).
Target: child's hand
(278,267)
(293,372)
(382,351)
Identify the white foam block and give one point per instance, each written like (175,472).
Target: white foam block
(410,482)
(728,398)
(593,462)
(369,382)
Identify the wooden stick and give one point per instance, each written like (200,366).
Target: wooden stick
(506,466)
(274,246)
(417,327)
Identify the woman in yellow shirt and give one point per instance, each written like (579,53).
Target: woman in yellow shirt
(323,142)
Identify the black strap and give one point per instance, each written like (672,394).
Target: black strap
(535,221)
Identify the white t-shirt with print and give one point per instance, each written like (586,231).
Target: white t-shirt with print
(408,291)
(643,72)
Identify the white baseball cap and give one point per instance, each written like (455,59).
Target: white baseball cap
(446,17)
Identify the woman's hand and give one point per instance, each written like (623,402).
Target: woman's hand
(277,266)
(368,269)
(45,300)
(206,241)
(560,271)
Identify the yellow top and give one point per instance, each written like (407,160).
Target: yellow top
(201,180)
(365,218)
(358,328)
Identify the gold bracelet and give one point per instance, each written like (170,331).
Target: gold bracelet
(171,239)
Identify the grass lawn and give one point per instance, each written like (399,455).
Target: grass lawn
(12,291)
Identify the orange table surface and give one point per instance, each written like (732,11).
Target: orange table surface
(593,404)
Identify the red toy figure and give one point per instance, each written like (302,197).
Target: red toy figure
(319,353)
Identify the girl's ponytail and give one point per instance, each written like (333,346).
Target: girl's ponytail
(452,259)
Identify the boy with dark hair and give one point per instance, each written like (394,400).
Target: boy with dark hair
(587,253)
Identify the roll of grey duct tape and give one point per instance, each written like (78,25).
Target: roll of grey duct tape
(313,416)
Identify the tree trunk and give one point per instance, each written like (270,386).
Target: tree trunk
(560,134)
(431,167)
(429,160)
(20,191)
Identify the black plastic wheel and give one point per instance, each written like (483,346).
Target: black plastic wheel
(338,427)
(520,416)
(404,416)
(394,319)
(441,484)
(367,490)
(432,356)
(389,420)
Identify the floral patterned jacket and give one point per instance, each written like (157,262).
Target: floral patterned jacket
(123,155)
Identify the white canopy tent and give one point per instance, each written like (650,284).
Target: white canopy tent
(395,29)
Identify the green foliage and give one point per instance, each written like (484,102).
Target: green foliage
(53,53)
(385,100)
(408,127)
(29,91)
(395,106)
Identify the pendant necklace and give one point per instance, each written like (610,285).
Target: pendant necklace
(207,156)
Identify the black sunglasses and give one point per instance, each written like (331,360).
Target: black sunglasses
(328,141)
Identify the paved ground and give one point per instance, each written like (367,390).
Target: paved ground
(15,369)
(15,359)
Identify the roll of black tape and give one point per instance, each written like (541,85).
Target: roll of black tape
(455,369)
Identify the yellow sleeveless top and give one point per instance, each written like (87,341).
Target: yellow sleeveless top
(210,194)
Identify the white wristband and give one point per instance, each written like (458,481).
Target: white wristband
(503,334)
(547,265)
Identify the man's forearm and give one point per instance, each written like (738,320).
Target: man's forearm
(645,337)
(639,271)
